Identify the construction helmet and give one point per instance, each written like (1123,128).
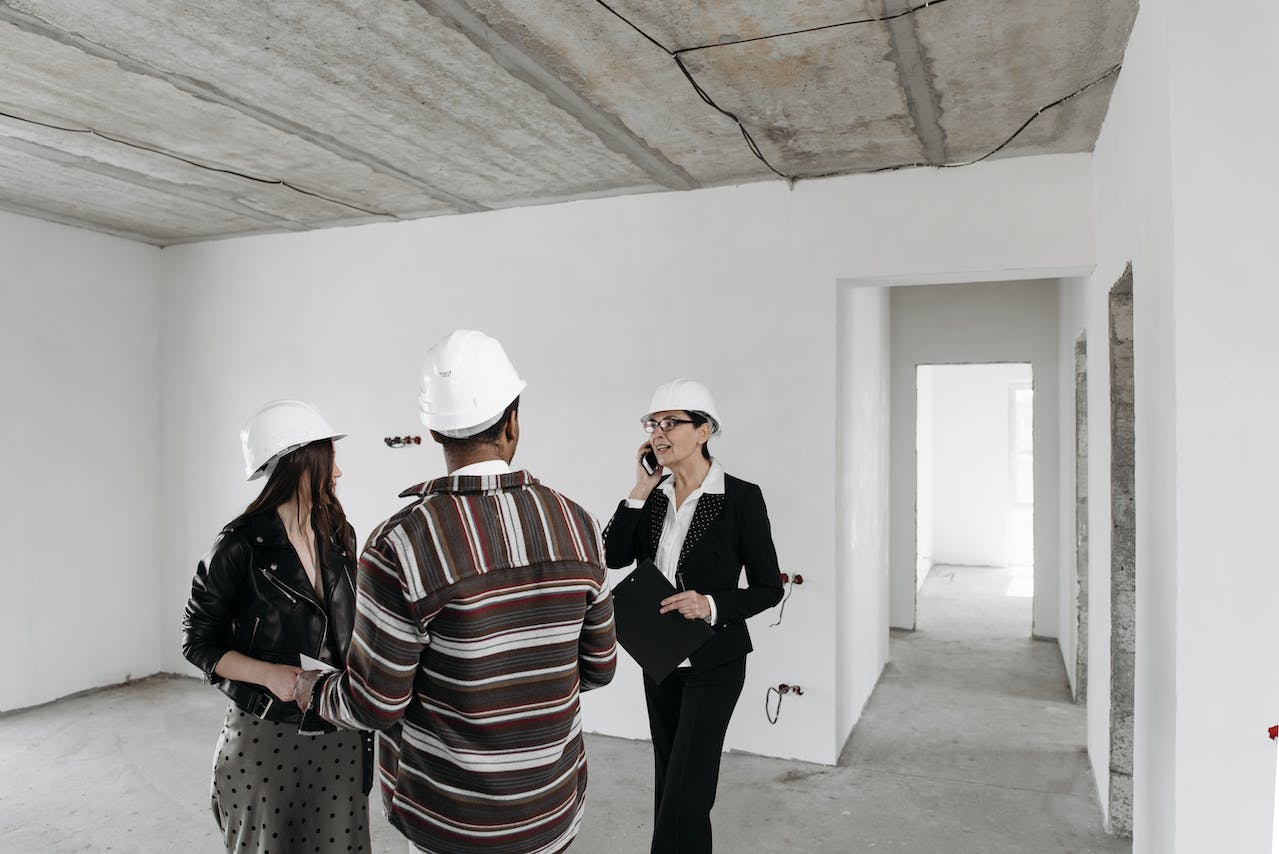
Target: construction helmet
(278,428)
(689,395)
(467,383)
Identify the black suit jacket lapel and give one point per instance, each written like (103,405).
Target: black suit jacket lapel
(657,518)
(709,506)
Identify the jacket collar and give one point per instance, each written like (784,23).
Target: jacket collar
(712,484)
(471,484)
(266,530)
(710,504)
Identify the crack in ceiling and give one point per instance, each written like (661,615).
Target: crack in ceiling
(677,55)
(124,115)
(183,159)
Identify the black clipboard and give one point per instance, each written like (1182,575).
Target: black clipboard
(658,642)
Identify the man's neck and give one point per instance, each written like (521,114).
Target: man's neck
(456,459)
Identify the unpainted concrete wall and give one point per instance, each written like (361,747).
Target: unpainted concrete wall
(1123,554)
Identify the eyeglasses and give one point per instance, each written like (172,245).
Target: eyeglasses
(667,424)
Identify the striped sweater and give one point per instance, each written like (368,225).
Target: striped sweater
(482,610)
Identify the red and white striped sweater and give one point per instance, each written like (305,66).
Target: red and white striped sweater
(482,610)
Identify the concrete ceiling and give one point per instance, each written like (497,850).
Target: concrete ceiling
(170,121)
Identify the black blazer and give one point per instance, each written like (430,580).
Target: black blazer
(728,532)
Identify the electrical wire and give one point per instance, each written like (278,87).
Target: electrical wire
(772,716)
(746,134)
(675,54)
(1111,72)
(198,165)
(903,13)
(790,588)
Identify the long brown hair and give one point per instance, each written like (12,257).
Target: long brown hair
(328,519)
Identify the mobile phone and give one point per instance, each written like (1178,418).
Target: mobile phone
(649,462)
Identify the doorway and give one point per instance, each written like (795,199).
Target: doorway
(974,534)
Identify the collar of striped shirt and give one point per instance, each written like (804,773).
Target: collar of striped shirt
(463,484)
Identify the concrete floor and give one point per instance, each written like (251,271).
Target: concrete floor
(969,744)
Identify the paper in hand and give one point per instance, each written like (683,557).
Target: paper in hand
(309,663)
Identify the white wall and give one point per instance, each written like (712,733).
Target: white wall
(597,302)
(1134,223)
(973,518)
(967,323)
(925,475)
(861,627)
(79,499)
(1073,320)
(1224,181)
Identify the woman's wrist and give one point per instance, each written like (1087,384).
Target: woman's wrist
(264,671)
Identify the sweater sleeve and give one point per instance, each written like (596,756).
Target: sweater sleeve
(386,647)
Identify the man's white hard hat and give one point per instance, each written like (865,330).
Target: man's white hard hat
(467,383)
(689,395)
(280,427)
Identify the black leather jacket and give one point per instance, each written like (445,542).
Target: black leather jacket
(250,594)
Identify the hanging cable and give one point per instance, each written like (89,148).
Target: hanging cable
(772,715)
(677,55)
(780,690)
(790,588)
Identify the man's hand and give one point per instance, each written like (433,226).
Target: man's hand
(691,604)
(304,685)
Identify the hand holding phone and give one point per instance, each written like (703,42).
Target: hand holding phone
(648,472)
(649,462)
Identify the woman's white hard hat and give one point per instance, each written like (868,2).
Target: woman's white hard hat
(277,429)
(689,395)
(467,383)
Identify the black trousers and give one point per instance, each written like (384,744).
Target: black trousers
(688,715)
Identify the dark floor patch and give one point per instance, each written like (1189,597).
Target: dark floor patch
(795,775)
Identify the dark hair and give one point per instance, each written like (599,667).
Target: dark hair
(328,519)
(489,435)
(698,419)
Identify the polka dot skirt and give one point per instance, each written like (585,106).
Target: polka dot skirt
(277,792)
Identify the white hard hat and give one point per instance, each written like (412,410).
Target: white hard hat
(278,428)
(467,383)
(689,395)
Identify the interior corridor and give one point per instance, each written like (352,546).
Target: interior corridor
(973,726)
(969,744)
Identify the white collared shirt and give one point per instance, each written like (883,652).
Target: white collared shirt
(676,524)
(484,467)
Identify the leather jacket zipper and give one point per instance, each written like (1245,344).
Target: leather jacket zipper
(293,596)
(279,585)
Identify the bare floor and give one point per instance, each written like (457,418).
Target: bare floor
(969,744)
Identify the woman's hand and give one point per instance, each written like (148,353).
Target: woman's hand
(644,482)
(279,679)
(691,605)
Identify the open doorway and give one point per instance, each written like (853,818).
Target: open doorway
(974,537)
